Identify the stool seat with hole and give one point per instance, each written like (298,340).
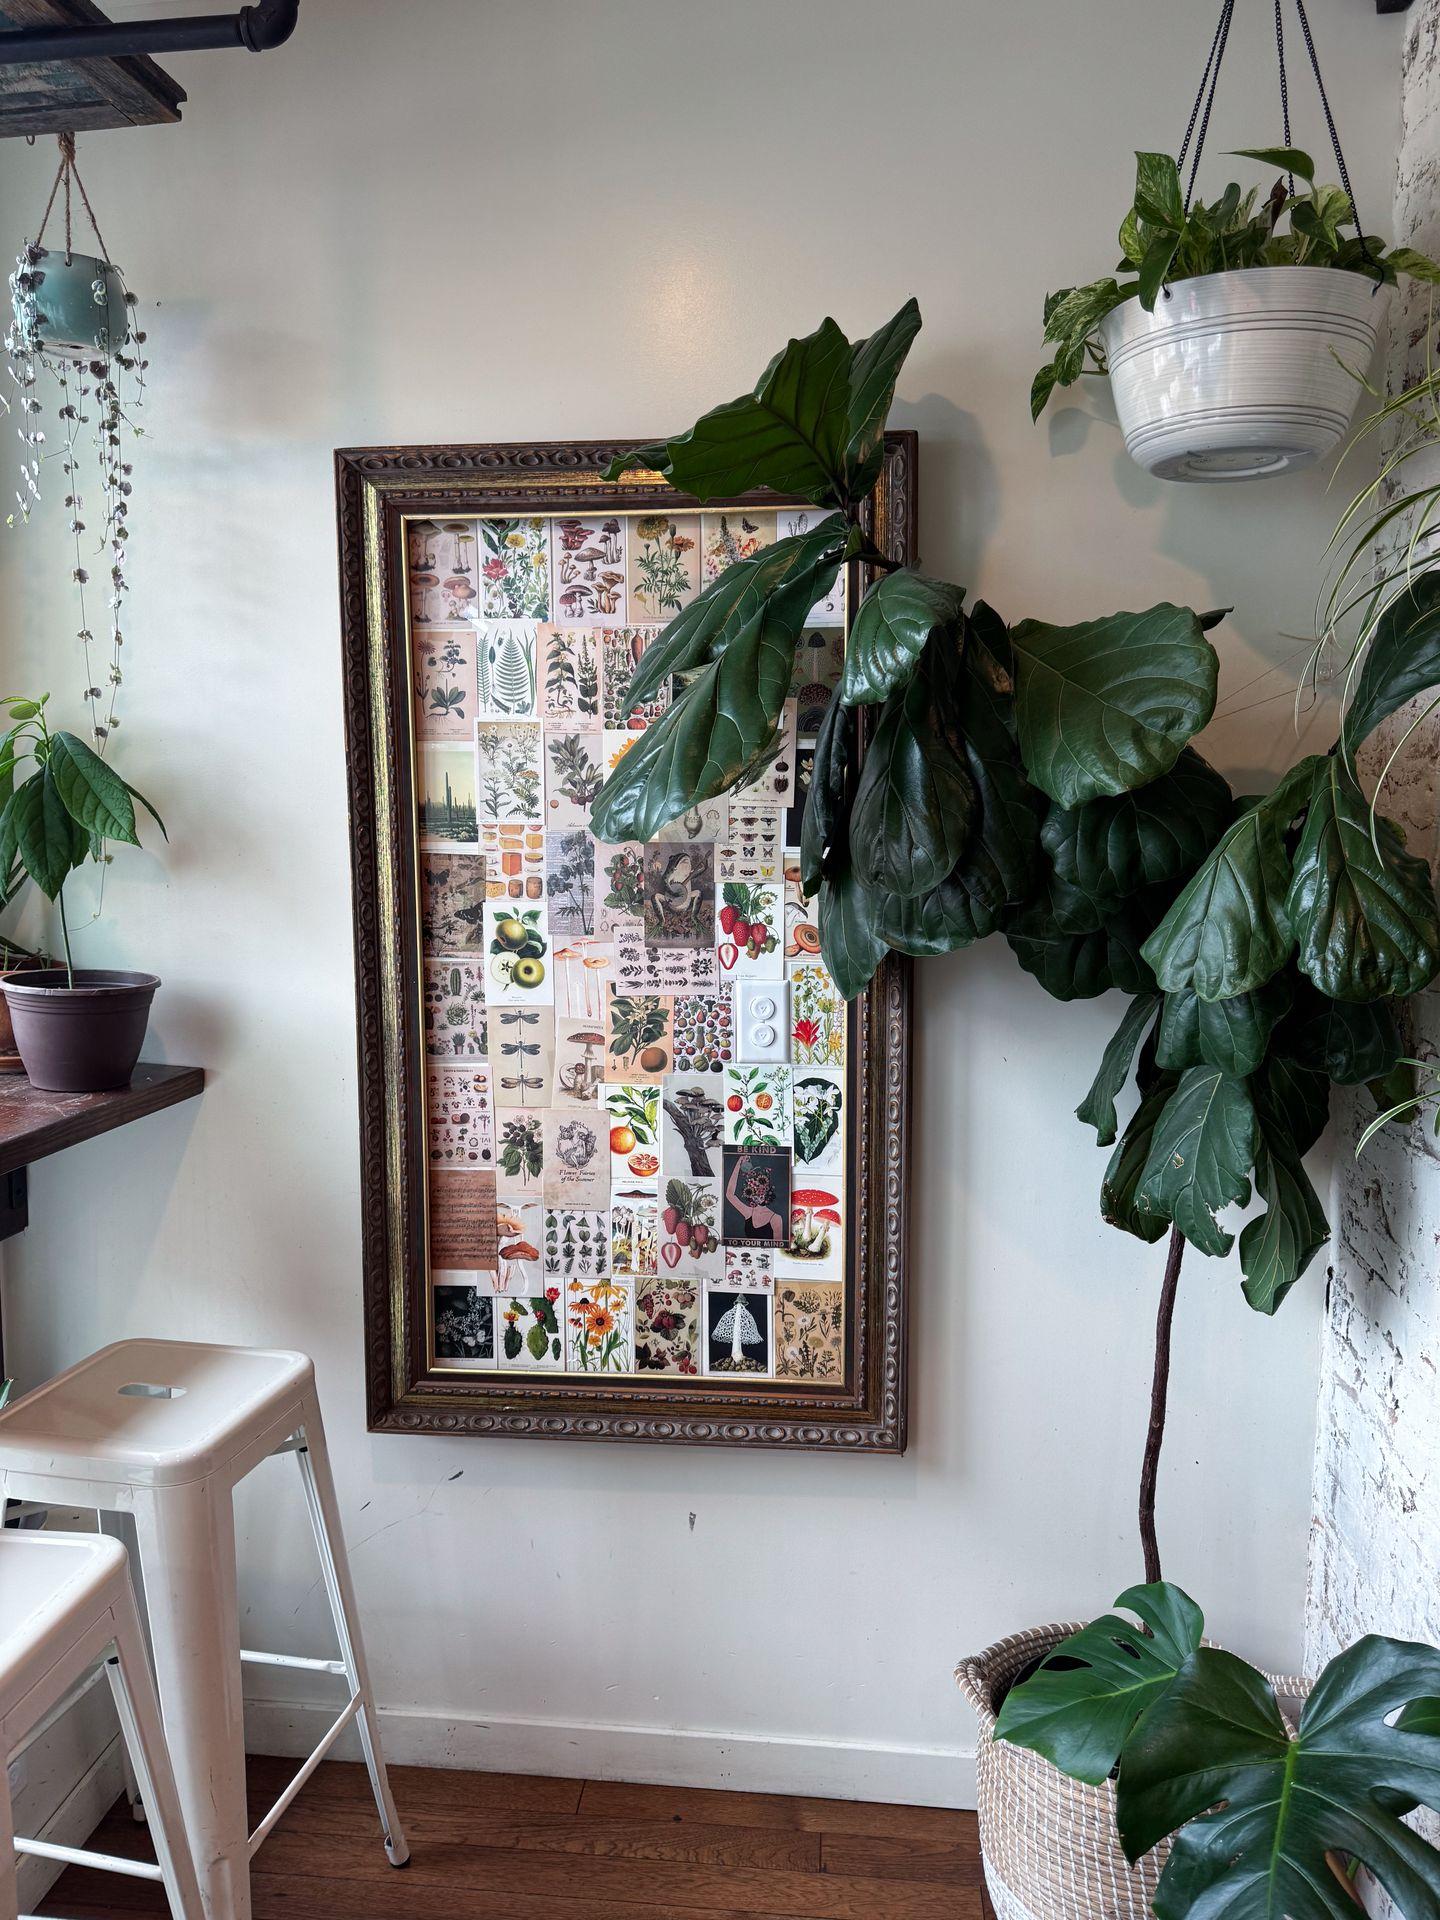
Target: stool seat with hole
(156,1434)
(66,1607)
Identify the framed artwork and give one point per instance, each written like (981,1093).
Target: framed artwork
(630,1168)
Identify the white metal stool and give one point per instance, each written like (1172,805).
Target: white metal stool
(66,1604)
(160,1432)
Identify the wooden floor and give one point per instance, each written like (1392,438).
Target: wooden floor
(510,1847)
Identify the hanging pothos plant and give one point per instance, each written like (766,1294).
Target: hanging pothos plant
(1042,782)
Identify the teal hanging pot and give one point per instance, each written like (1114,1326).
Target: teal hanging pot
(71,306)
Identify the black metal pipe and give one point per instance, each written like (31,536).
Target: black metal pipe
(267,24)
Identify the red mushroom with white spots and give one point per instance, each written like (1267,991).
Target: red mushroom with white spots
(811,1216)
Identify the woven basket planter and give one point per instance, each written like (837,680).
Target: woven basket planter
(1047,1842)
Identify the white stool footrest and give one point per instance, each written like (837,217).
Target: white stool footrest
(347,1714)
(292,1660)
(83,1857)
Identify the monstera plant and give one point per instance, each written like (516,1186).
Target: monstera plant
(1270,1821)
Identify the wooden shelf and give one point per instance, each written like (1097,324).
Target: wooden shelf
(34,1124)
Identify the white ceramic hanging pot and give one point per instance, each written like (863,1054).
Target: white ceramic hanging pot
(1236,376)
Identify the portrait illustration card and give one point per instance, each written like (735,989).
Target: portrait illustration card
(756,1203)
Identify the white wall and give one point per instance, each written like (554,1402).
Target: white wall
(451,221)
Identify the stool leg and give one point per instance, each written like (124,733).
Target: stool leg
(144,1740)
(187,1553)
(120,1526)
(9,1897)
(334,1564)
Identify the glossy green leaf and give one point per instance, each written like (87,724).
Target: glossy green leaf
(1097,1109)
(1402,659)
(1229,929)
(1283,159)
(1108,705)
(850,944)
(712,731)
(1257,1812)
(1120,1186)
(1276,1248)
(1076,965)
(892,624)
(874,368)
(1350,1042)
(1419,266)
(1302,1095)
(44,832)
(1158,198)
(914,800)
(1041,388)
(1117,845)
(1200,1156)
(1159,258)
(824,842)
(965,907)
(734,602)
(1003,854)
(790,435)
(94,794)
(1366,923)
(1230,1034)
(1079,1708)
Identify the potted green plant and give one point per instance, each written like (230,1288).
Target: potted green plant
(1231,331)
(1043,782)
(78,1029)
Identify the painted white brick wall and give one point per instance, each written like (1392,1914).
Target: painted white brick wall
(1375,1541)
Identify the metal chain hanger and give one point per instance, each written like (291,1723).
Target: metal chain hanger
(1199,122)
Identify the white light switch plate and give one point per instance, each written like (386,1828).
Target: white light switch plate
(762,1020)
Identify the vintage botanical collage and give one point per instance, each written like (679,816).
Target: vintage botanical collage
(636,1060)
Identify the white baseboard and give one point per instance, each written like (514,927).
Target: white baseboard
(71,1824)
(663,1756)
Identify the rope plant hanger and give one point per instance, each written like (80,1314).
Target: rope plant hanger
(71,324)
(1235,332)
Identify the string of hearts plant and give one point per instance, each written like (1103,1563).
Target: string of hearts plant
(1041,782)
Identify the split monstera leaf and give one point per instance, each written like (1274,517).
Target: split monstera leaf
(1263,1815)
(1041,781)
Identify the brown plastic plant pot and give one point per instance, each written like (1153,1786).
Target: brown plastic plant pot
(80,1039)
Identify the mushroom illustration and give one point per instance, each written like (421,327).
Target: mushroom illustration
(459,592)
(608,600)
(425,585)
(802,1235)
(610,541)
(577,601)
(737,1325)
(583,1081)
(463,536)
(590,558)
(519,1250)
(831,1219)
(422,551)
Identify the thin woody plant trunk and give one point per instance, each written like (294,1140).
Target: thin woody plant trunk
(1159,1394)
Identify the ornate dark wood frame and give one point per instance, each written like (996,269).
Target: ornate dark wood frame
(376,488)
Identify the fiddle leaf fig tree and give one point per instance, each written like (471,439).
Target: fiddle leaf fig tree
(1043,781)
